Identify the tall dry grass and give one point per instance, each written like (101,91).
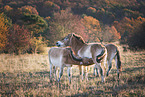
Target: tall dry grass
(28,75)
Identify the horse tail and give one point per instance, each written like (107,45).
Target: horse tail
(49,56)
(100,56)
(118,60)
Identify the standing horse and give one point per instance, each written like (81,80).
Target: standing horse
(63,57)
(112,53)
(97,52)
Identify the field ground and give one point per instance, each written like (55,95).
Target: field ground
(28,75)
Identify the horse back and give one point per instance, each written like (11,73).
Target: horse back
(56,56)
(91,50)
(111,51)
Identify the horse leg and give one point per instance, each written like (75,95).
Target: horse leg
(95,69)
(86,72)
(82,72)
(109,67)
(55,72)
(60,73)
(100,70)
(117,66)
(69,75)
(50,76)
(80,69)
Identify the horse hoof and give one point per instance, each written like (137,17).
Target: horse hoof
(51,81)
(97,75)
(69,82)
(58,80)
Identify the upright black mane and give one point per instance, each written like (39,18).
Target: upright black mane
(79,38)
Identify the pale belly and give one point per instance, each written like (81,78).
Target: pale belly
(56,61)
(85,52)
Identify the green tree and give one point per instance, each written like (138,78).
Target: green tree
(34,23)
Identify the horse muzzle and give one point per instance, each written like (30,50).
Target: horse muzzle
(57,44)
(60,44)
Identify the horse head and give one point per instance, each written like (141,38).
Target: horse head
(69,39)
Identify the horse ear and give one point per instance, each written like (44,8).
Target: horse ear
(73,34)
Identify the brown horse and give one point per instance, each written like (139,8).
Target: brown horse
(97,52)
(63,57)
(112,53)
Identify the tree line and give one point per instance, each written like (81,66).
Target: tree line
(27,26)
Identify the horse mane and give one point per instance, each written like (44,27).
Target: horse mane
(78,37)
(73,56)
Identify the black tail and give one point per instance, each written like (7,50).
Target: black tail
(118,60)
(100,56)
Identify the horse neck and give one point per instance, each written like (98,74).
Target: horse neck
(76,46)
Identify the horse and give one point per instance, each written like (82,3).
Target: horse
(96,51)
(112,53)
(64,57)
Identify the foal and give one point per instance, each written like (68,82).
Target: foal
(63,57)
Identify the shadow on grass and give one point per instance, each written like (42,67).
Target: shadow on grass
(133,85)
(133,69)
(10,83)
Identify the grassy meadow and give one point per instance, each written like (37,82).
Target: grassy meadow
(28,75)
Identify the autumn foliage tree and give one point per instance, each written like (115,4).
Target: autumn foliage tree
(110,34)
(64,22)
(18,39)
(93,28)
(3,32)
(28,10)
(37,44)
(127,27)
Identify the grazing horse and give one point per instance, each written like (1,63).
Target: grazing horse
(63,57)
(97,52)
(112,53)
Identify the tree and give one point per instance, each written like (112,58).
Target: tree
(4,24)
(18,39)
(35,23)
(93,28)
(28,10)
(126,27)
(62,23)
(36,43)
(137,39)
(110,34)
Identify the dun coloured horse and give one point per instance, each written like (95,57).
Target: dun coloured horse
(97,52)
(63,57)
(112,53)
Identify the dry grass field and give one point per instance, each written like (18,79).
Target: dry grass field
(28,75)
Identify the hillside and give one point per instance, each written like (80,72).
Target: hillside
(102,20)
